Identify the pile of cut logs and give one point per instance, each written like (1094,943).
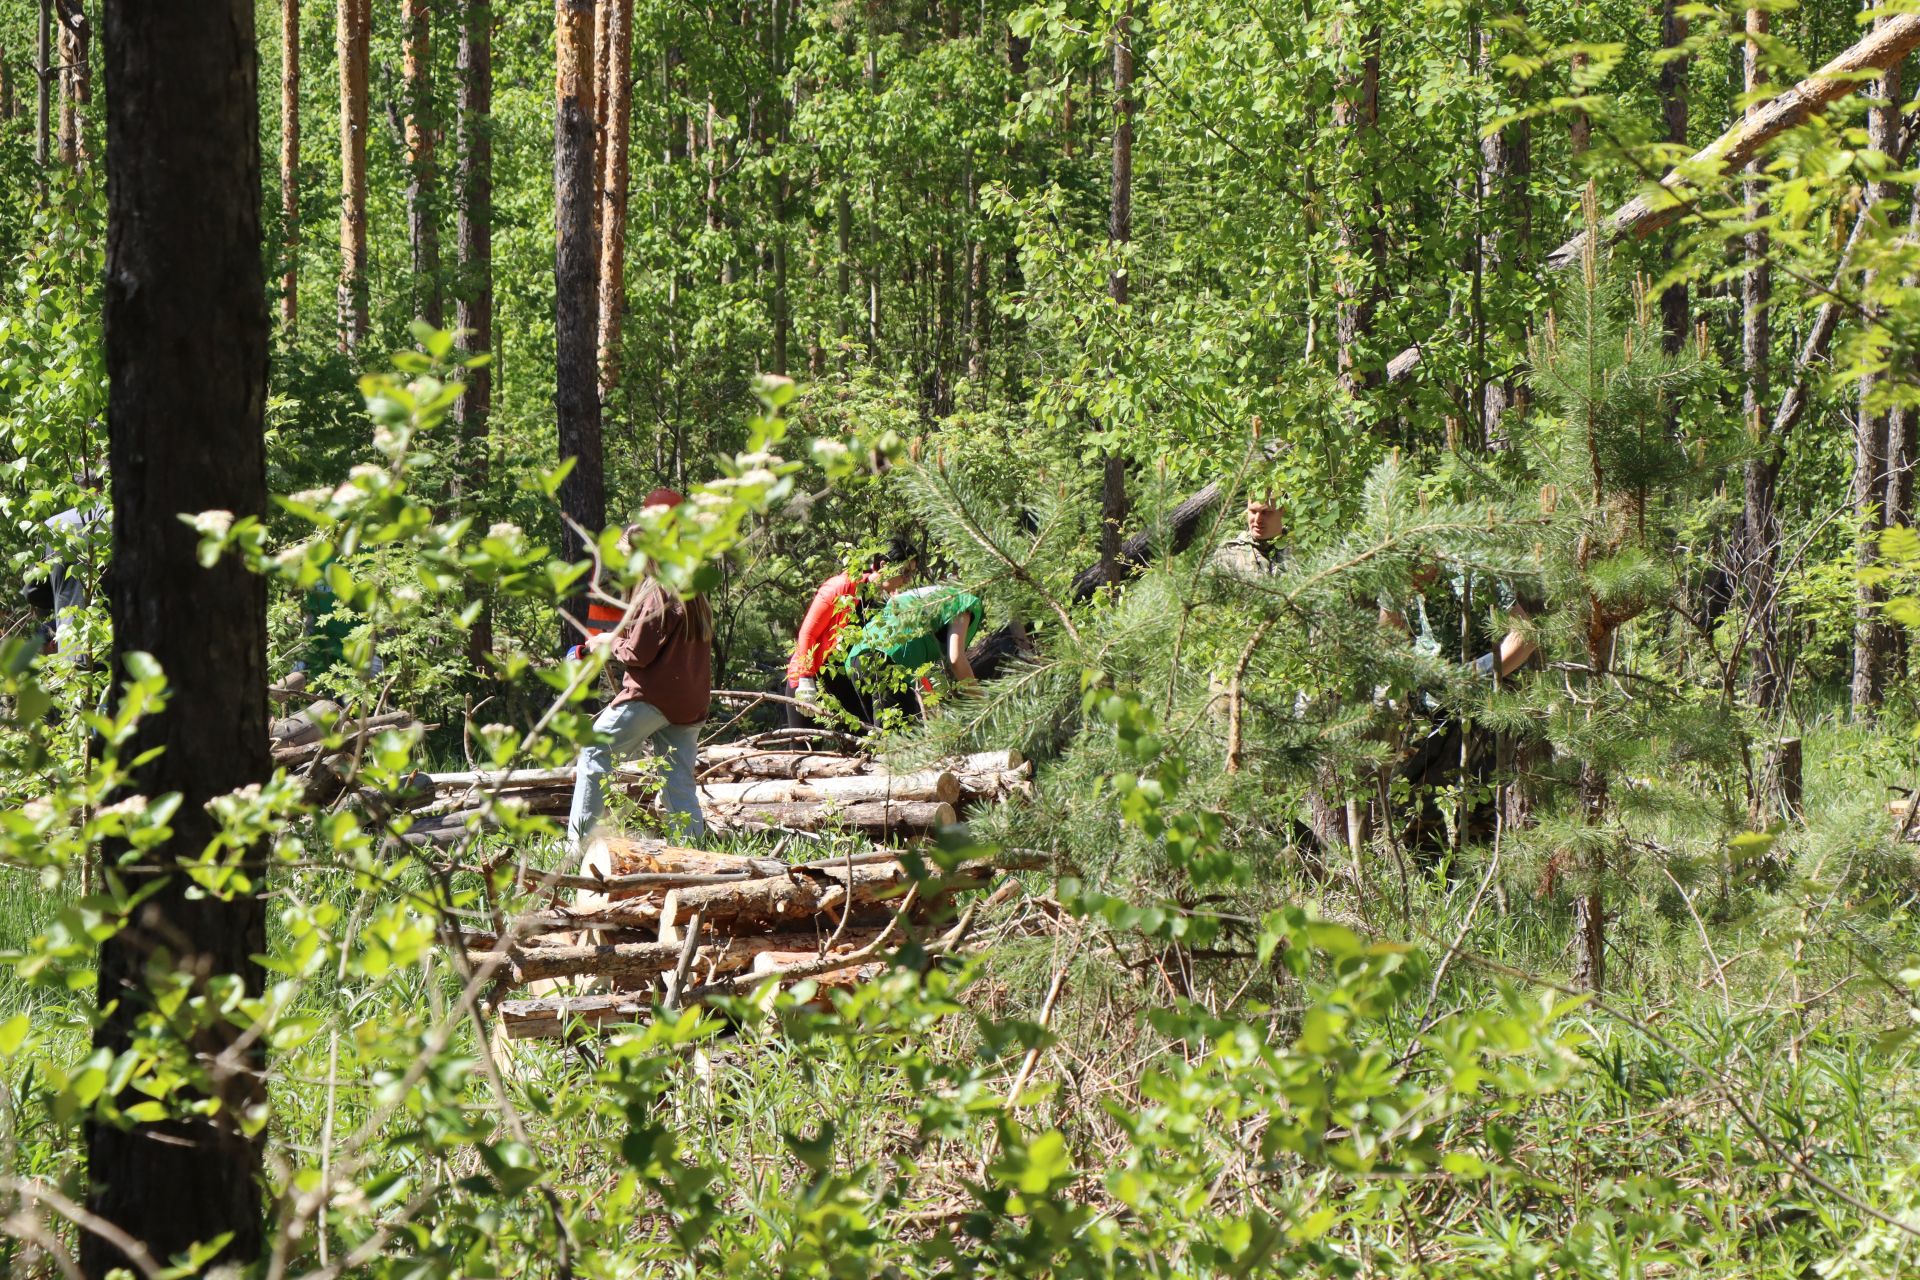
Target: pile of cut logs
(299,742)
(748,788)
(651,924)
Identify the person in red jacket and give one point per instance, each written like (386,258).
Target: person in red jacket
(817,662)
(665,654)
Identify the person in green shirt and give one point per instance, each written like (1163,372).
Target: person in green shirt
(916,631)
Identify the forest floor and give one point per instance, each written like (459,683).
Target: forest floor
(1735,1025)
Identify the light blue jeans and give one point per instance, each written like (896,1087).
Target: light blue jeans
(620,731)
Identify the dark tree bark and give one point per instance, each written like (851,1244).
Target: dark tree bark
(1113,479)
(289,167)
(1674,312)
(6,85)
(1759,527)
(1579,125)
(618,114)
(1870,635)
(186,329)
(355,29)
(473,227)
(779,301)
(423,227)
(576,258)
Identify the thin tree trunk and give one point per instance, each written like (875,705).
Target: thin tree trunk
(1356,114)
(843,270)
(76,80)
(1674,312)
(186,336)
(423,227)
(613,226)
(1589,908)
(774,131)
(1870,437)
(1506,163)
(290,167)
(977,309)
(355,28)
(1759,529)
(602,72)
(1113,479)
(1579,124)
(473,225)
(6,85)
(43,91)
(576,380)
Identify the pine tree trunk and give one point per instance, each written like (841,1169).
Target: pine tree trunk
(1113,479)
(1579,124)
(355,28)
(473,226)
(1356,114)
(290,167)
(1759,528)
(43,90)
(1870,436)
(423,228)
(843,270)
(76,80)
(1506,164)
(613,227)
(1674,311)
(186,336)
(1589,908)
(602,72)
(576,258)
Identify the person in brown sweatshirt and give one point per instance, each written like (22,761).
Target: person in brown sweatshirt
(666,652)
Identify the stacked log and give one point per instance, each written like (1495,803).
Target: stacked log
(746,787)
(650,921)
(875,819)
(789,923)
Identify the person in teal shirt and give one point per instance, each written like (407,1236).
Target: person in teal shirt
(916,631)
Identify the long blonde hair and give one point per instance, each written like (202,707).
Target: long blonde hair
(699,612)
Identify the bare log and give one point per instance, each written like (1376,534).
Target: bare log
(304,726)
(772,904)
(634,962)
(349,730)
(880,819)
(934,784)
(553,1016)
(995,784)
(988,762)
(754,762)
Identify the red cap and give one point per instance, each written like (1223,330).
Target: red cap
(664,497)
